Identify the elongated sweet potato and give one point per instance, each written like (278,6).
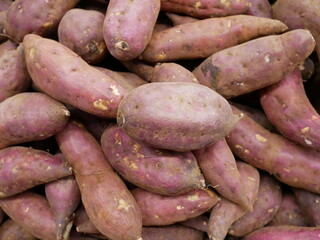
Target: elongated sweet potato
(219,168)
(215,34)
(128,26)
(10,230)
(172,72)
(294,165)
(40,17)
(81,31)
(32,212)
(179,116)
(260,8)
(159,171)
(178,19)
(30,116)
(63,75)
(264,209)
(199,223)
(158,210)
(23,168)
(108,202)
(174,232)
(83,223)
(268,58)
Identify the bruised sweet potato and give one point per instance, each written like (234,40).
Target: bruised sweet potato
(173,232)
(179,116)
(10,230)
(172,72)
(108,202)
(268,58)
(199,223)
(260,8)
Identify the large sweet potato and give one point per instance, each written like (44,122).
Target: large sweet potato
(173,232)
(10,230)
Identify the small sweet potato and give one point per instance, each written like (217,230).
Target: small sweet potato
(268,58)
(140,68)
(83,223)
(260,8)
(179,116)
(10,230)
(179,19)
(199,223)
(172,72)
(173,232)
(158,210)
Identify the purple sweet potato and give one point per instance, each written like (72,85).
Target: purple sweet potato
(81,31)
(260,8)
(199,223)
(187,41)
(158,210)
(23,168)
(128,26)
(65,76)
(173,232)
(5,4)
(172,72)
(7,46)
(155,170)
(284,233)
(264,209)
(225,212)
(179,116)
(30,116)
(140,68)
(63,196)
(10,230)
(40,17)
(294,165)
(108,202)
(268,58)
(219,168)
(294,117)
(133,78)
(83,223)
(205,8)
(179,19)
(160,27)
(32,212)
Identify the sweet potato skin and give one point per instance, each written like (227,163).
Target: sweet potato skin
(5,4)
(260,8)
(83,223)
(166,127)
(172,72)
(155,170)
(174,232)
(10,230)
(74,82)
(268,58)
(178,19)
(199,223)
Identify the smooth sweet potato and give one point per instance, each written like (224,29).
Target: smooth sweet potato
(158,210)
(7,46)
(65,76)
(179,116)
(174,232)
(268,58)
(40,17)
(128,26)
(10,230)
(81,31)
(140,68)
(172,72)
(187,41)
(83,223)
(108,202)
(260,8)
(199,223)
(179,19)
(159,171)
(30,116)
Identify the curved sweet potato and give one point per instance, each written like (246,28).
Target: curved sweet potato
(10,230)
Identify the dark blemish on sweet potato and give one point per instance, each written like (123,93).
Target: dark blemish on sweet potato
(212,70)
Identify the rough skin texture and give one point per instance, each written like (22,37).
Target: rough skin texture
(174,232)
(10,230)
(260,8)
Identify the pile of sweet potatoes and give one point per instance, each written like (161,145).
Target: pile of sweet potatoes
(159,119)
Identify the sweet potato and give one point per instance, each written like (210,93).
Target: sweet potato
(81,31)
(63,196)
(160,27)
(199,223)
(174,232)
(179,116)
(63,75)
(10,230)
(5,4)
(3,15)
(140,68)
(133,78)
(2,215)
(294,165)
(7,46)
(284,233)
(128,26)
(172,72)
(109,204)
(32,212)
(268,58)
(260,8)
(179,19)
(219,168)
(30,116)
(83,223)
(295,118)
(23,168)
(187,41)
(40,17)
(264,209)
(158,210)
(225,212)
(159,171)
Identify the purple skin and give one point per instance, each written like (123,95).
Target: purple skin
(127,28)
(158,210)
(284,233)
(199,223)
(140,68)
(173,232)
(5,4)
(133,78)
(40,17)
(179,116)
(32,212)
(155,170)
(83,223)
(260,8)
(295,117)
(264,209)
(63,196)
(268,58)
(178,19)
(225,212)
(292,164)
(65,76)
(23,168)
(309,204)
(3,15)
(205,8)
(10,230)
(7,46)
(187,41)
(219,168)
